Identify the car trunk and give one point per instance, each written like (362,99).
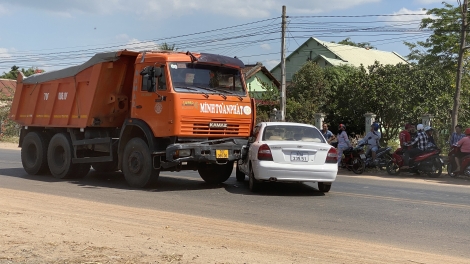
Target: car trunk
(301,153)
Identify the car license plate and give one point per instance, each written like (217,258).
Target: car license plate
(299,156)
(221,153)
(363,156)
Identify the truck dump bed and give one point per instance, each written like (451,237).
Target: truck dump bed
(95,93)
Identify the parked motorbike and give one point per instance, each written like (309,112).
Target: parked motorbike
(383,157)
(428,162)
(464,163)
(354,159)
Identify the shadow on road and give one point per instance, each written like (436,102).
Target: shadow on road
(95,180)
(443,179)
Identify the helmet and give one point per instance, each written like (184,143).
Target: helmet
(341,126)
(467,131)
(428,128)
(375,126)
(420,127)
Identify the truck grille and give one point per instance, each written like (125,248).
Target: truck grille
(219,127)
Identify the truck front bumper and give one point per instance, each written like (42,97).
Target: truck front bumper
(212,151)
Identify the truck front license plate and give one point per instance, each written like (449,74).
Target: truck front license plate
(221,153)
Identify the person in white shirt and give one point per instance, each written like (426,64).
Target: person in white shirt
(372,138)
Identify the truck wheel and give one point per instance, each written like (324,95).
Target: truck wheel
(59,158)
(34,153)
(137,164)
(215,173)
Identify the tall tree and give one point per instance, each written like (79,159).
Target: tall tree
(167,46)
(349,42)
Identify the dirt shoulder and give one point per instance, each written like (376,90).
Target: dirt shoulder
(8,145)
(38,228)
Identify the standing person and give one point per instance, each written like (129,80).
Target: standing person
(464,145)
(343,141)
(372,138)
(431,142)
(405,137)
(456,136)
(327,133)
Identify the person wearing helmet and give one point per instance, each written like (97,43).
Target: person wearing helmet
(464,145)
(372,138)
(343,141)
(421,140)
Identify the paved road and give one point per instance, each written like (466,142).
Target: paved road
(430,215)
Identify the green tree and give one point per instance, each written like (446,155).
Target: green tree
(13,73)
(349,42)
(267,101)
(441,48)
(308,92)
(167,46)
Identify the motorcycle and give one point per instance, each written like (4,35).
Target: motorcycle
(383,157)
(354,159)
(464,163)
(428,162)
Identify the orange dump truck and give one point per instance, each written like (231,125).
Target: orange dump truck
(139,112)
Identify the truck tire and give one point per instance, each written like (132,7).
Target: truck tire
(34,153)
(215,173)
(59,158)
(137,164)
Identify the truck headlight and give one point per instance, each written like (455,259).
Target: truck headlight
(182,153)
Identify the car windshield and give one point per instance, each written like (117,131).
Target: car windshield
(197,78)
(292,133)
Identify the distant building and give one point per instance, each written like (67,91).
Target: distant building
(255,75)
(327,54)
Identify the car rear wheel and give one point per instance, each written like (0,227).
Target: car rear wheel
(239,174)
(34,153)
(254,185)
(215,173)
(323,187)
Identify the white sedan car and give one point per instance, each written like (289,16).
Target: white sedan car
(288,152)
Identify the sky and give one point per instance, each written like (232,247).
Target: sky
(56,34)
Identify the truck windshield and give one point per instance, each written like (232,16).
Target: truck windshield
(197,78)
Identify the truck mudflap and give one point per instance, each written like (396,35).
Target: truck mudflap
(211,151)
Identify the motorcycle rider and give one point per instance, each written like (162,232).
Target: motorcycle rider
(431,143)
(343,141)
(372,138)
(464,145)
(405,136)
(421,140)
(456,136)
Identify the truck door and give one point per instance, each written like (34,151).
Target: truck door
(151,103)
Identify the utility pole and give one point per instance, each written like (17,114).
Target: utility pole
(463,35)
(283,65)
